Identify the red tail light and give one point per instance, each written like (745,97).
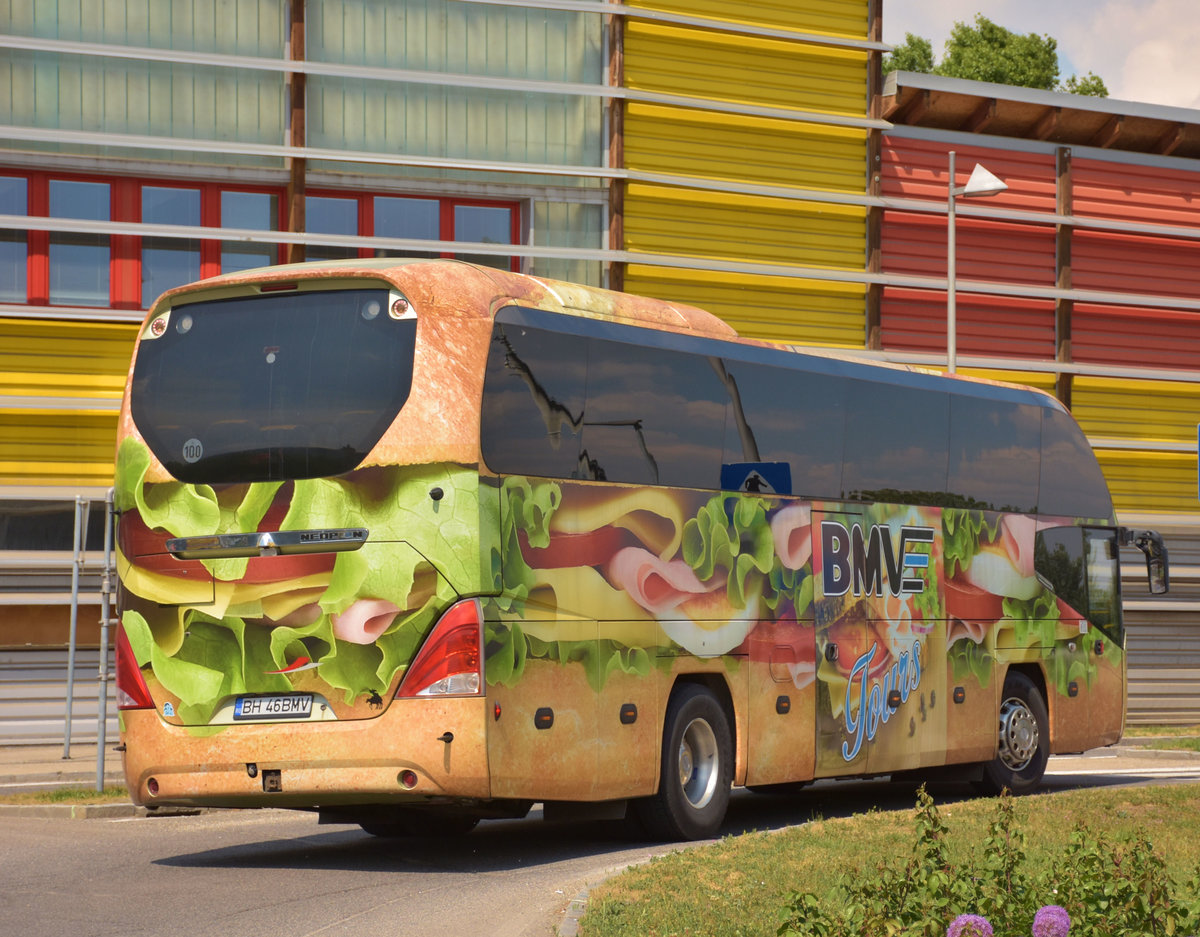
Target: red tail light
(131,688)
(450,662)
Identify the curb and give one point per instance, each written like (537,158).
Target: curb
(96,811)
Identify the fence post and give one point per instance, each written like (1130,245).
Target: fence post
(105,592)
(80,539)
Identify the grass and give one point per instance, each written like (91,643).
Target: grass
(1173,745)
(738,886)
(69,795)
(1142,732)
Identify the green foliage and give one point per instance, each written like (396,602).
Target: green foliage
(1090,84)
(1109,890)
(914,55)
(985,51)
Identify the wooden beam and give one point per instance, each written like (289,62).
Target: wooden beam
(297,132)
(912,110)
(1169,142)
(873,325)
(983,115)
(616,148)
(1047,124)
(1110,132)
(1063,308)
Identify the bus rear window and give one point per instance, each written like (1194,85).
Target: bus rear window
(273,387)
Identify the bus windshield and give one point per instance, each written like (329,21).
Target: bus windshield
(273,387)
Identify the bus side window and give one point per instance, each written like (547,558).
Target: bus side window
(653,416)
(797,417)
(897,443)
(1103,578)
(1071,483)
(1058,561)
(994,454)
(533,395)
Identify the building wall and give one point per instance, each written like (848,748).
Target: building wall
(1142,426)
(742,131)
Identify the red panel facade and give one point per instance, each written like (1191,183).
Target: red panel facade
(1136,336)
(914,243)
(987,326)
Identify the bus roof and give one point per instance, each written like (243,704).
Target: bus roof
(480,291)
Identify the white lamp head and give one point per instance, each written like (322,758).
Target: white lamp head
(982,182)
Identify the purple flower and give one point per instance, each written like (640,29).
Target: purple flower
(969,925)
(1051,921)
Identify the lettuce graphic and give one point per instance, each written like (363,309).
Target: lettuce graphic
(731,535)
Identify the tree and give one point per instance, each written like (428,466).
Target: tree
(988,52)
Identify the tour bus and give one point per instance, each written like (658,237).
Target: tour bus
(414,543)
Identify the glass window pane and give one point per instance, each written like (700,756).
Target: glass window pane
(995,450)
(897,442)
(797,418)
(406,218)
(533,402)
(324,215)
(13,244)
(1104,580)
(79,262)
(252,210)
(484,224)
(653,416)
(168,262)
(1071,483)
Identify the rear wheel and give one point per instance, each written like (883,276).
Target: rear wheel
(696,769)
(1024,742)
(421,822)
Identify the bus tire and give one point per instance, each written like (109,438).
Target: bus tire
(1024,739)
(421,822)
(696,769)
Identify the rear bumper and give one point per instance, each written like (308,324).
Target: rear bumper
(314,763)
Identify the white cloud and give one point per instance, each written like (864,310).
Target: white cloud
(1145,50)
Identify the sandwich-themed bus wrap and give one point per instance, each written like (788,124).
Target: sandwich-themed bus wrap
(415,543)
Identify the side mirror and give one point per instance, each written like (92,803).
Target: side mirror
(1150,542)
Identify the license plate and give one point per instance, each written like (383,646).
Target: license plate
(291,706)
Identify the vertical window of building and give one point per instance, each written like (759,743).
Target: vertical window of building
(407,218)
(79,263)
(14,200)
(327,215)
(168,262)
(253,210)
(485,224)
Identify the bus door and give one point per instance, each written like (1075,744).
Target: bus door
(880,641)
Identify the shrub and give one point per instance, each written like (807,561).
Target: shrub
(1102,889)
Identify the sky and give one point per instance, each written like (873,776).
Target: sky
(1145,50)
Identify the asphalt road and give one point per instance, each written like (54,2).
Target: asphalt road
(279,874)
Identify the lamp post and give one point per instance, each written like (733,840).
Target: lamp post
(980,183)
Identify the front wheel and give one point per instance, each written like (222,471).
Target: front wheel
(1024,740)
(696,769)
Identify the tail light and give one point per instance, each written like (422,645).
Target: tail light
(450,662)
(131,688)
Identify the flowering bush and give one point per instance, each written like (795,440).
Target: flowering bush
(1106,889)
(1051,921)
(969,925)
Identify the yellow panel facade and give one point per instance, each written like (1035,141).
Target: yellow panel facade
(41,358)
(775,309)
(40,447)
(724,226)
(1150,482)
(707,63)
(846,18)
(741,148)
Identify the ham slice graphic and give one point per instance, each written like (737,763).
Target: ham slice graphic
(791,529)
(364,621)
(695,615)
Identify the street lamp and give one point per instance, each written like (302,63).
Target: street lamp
(980,184)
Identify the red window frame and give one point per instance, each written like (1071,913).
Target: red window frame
(125,205)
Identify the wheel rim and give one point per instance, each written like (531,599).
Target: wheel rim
(1018,734)
(698,763)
